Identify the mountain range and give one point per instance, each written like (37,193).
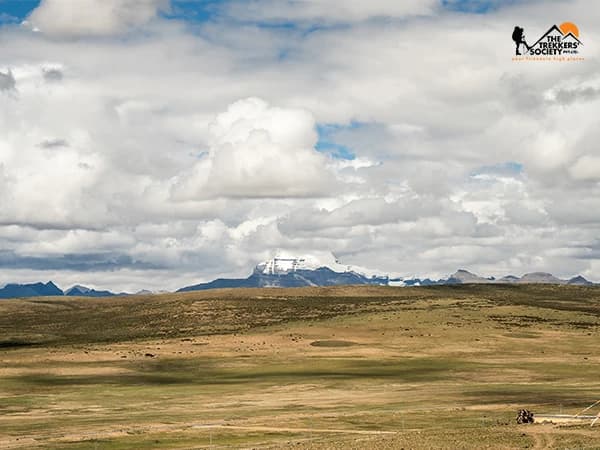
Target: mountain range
(463,276)
(48,289)
(298,272)
(321,276)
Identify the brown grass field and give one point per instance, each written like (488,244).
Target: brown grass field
(310,368)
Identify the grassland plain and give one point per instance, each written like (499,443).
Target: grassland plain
(318,368)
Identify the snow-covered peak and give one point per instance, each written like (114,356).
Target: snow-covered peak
(78,287)
(284,263)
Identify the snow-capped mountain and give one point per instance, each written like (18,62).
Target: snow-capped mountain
(285,270)
(297,271)
(83,291)
(286,263)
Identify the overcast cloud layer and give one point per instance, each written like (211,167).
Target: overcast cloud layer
(139,149)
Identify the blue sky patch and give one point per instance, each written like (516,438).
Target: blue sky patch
(196,11)
(337,151)
(17,9)
(476,6)
(509,168)
(327,142)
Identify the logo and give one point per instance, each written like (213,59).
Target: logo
(559,43)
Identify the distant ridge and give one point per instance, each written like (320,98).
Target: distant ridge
(30,290)
(465,277)
(579,281)
(541,277)
(49,289)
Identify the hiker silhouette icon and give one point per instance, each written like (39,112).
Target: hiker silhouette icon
(518,36)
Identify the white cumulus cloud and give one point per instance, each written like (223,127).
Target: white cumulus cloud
(132,159)
(330,10)
(586,168)
(93,17)
(257,150)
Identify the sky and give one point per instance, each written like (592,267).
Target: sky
(154,144)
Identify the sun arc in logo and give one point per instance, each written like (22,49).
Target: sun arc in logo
(569,27)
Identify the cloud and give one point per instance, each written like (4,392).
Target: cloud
(586,168)
(7,18)
(258,151)
(174,153)
(81,262)
(365,211)
(568,96)
(327,11)
(54,143)
(550,151)
(7,81)
(93,17)
(53,74)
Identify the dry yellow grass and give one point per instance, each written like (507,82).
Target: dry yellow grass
(348,367)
